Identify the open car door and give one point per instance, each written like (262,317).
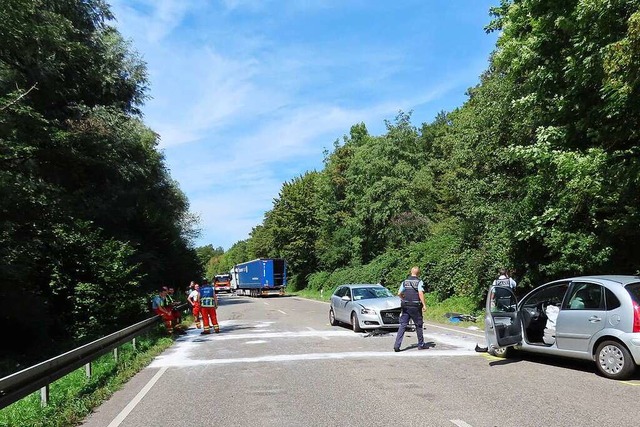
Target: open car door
(502,320)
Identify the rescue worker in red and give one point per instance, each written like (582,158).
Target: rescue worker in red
(209,303)
(172,304)
(194,300)
(158,306)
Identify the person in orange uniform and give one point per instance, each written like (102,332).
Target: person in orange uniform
(194,300)
(158,306)
(209,303)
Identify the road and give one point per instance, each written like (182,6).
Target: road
(277,362)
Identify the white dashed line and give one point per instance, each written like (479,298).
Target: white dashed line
(461,423)
(282,312)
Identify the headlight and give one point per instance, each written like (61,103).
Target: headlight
(367,311)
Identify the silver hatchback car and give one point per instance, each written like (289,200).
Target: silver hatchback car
(592,317)
(365,306)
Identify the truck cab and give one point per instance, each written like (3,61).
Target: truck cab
(222,282)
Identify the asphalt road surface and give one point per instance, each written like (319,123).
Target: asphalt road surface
(278,362)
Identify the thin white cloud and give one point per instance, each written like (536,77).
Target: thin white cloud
(240,109)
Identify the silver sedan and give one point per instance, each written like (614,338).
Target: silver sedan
(592,317)
(365,306)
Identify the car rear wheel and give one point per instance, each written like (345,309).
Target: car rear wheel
(332,318)
(355,323)
(614,360)
(501,352)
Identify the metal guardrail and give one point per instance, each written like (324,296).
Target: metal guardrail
(20,384)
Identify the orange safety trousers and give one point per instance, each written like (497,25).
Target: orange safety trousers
(210,312)
(167,318)
(196,313)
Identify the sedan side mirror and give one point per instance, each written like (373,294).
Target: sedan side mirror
(346,298)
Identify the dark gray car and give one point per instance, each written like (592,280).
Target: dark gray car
(592,317)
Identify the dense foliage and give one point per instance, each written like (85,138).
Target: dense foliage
(538,171)
(90,217)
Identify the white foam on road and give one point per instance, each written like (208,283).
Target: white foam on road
(177,362)
(183,353)
(287,334)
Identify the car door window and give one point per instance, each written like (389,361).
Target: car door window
(612,300)
(548,295)
(348,293)
(585,296)
(340,292)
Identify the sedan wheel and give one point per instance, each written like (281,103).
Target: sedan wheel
(355,323)
(332,318)
(614,360)
(501,352)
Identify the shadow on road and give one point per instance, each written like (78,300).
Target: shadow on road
(560,362)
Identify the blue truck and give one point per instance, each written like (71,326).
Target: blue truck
(260,277)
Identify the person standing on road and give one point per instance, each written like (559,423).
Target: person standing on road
(209,303)
(411,293)
(194,300)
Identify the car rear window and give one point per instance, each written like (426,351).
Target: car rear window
(634,291)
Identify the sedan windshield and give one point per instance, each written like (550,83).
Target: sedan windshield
(371,292)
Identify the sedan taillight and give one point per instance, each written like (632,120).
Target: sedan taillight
(636,317)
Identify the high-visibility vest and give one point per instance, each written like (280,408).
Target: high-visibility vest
(207,296)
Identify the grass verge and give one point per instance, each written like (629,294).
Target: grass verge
(74,396)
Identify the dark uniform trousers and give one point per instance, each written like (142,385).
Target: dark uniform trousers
(411,311)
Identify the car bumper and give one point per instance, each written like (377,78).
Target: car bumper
(385,319)
(632,340)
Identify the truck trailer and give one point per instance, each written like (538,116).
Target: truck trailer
(260,277)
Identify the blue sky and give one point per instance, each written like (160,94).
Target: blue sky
(246,94)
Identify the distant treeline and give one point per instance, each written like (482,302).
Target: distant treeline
(90,219)
(538,171)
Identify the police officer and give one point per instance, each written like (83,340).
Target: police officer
(505,279)
(208,305)
(412,294)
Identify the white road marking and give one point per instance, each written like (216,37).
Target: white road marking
(282,312)
(127,409)
(322,336)
(461,423)
(256,342)
(185,362)
(429,325)
(257,325)
(266,303)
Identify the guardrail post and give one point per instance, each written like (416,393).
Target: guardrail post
(133,342)
(87,369)
(44,395)
(115,353)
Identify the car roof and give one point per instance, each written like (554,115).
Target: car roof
(613,278)
(362,285)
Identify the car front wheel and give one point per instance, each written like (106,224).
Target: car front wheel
(332,318)
(501,352)
(614,360)
(355,323)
